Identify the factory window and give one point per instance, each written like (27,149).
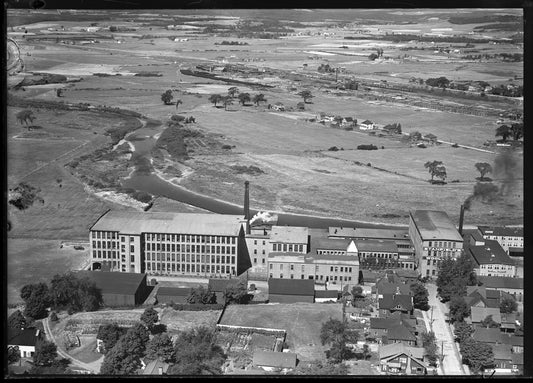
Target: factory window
(132,258)
(263,251)
(270,275)
(284,247)
(301,247)
(224,250)
(281,266)
(255,251)
(292,276)
(271,269)
(434,262)
(263,243)
(132,248)
(233,260)
(281,276)
(292,267)
(427,272)
(290,247)
(335,278)
(255,261)
(342,269)
(122,239)
(255,241)
(263,261)
(429,262)
(433,272)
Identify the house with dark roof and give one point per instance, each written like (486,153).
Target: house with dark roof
(489,335)
(491,259)
(517,361)
(516,342)
(479,296)
(155,367)
(507,237)
(503,358)
(399,359)
(384,287)
(165,295)
(512,286)
(366,125)
(274,361)
(119,288)
(395,302)
(25,340)
(478,314)
(327,296)
(291,290)
(399,334)
(510,322)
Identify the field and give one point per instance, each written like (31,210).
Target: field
(302,321)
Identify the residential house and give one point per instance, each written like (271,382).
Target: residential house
(369,277)
(393,128)
(507,237)
(431,138)
(491,260)
(397,358)
(516,343)
(517,361)
(503,358)
(512,286)
(366,125)
(510,322)
(489,335)
(25,340)
(291,290)
(435,238)
(274,361)
(395,302)
(384,287)
(399,334)
(155,367)
(478,314)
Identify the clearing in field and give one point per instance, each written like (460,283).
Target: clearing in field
(302,321)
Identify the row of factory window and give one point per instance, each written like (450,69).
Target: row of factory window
(255,242)
(439,253)
(432,272)
(287,247)
(190,258)
(262,259)
(191,248)
(104,235)
(379,255)
(504,238)
(331,252)
(105,254)
(441,244)
(190,238)
(496,267)
(343,269)
(319,277)
(176,268)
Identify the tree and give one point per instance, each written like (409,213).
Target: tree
(420,296)
(258,98)
(16,321)
(149,317)
(357,293)
(227,100)
(125,357)
(483,168)
(462,331)
(306,95)
(160,347)
(458,309)
(337,334)
(45,353)
(13,354)
(366,351)
(244,98)
(24,116)
(37,300)
(195,352)
(178,102)
(429,342)
(373,56)
(517,129)
(71,293)
(436,169)
(214,98)
(508,304)
(488,322)
(24,195)
(201,295)
(478,355)
(110,334)
(503,131)
(59,92)
(57,367)
(454,276)
(237,293)
(167,97)
(232,91)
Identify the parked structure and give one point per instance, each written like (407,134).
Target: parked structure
(170,243)
(434,237)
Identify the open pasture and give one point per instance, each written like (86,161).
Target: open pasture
(302,321)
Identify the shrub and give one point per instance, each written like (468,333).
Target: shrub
(455,145)
(196,307)
(333,149)
(227,147)
(367,147)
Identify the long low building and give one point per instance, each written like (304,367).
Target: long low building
(161,243)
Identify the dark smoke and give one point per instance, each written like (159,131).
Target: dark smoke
(485,192)
(506,170)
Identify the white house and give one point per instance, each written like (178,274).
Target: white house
(366,125)
(25,340)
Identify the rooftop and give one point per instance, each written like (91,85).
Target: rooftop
(220,285)
(391,301)
(490,253)
(376,245)
(478,314)
(153,367)
(114,282)
(384,287)
(327,294)
(400,332)
(393,349)
(502,231)
(502,352)
(364,233)
(488,335)
(274,359)
(433,224)
(291,286)
(130,222)
(289,234)
(501,282)
(174,291)
(26,337)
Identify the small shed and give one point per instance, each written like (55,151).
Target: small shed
(291,290)
(172,294)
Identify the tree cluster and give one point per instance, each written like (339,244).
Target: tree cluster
(24,195)
(338,334)
(429,342)
(420,296)
(109,334)
(516,131)
(477,355)
(454,276)
(167,97)
(436,169)
(440,82)
(202,295)
(237,294)
(68,292)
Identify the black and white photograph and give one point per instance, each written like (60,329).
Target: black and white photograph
(264,192)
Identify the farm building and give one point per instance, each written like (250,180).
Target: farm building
(278,106)
(291,290)
(272,361)
(119,289)
(25,340)
(366,125)
(172,294)
(170,243)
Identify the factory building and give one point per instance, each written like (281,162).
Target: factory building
(160,243)
(434,237)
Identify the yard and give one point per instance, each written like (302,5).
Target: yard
(302,321)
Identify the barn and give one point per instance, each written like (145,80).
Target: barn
(172,294)
(291,290)
(120,289)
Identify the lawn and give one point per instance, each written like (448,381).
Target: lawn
(177,321)
(302,321)
(38,260)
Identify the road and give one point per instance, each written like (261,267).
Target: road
(452,362)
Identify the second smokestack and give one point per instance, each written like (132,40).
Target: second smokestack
(247,205)
(461,219)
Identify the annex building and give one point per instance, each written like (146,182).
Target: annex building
(161,243)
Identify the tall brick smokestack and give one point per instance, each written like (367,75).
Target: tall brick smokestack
(247,205)
(461,219)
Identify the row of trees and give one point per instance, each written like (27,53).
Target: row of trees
(516,131)
(478,355)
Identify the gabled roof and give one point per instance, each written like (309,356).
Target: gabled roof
(514,340)
(435,224)
(391,301)
(392,350)
(384,323)
(220,285)
(517,358)
(371,276)
(509,318)
(367,233)
(502,231)
(174,291)
(110,282)
(488,335)
(26,337)
(392,288)
(490,253)
(377,245)
(403,273)
(501,282)
(131,222)
(400,332)
(502,352)
(474,298)
(478,314)
(366,122)
(152,368)
(280,286)
(274,359)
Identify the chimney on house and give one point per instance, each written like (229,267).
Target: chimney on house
(160,370)
(247,205)
(461,219)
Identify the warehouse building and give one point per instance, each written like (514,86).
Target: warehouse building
(161,243)
(119,289)
(434,237)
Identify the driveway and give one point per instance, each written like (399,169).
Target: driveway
(452,362)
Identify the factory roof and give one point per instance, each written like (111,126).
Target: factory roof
(434,224)
(367,233)
(129,222)
(291,286)
(375,245)
(324,243)
(114,282)
(289,234)
(502,231)
(174,291)
(502,282)
(490,253)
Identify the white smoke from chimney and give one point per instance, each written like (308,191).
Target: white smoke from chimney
(264,217)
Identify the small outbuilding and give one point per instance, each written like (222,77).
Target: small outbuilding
(172,294)
(271,360)
(291,290)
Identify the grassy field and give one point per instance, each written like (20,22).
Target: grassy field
(302,321)
(38,260)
